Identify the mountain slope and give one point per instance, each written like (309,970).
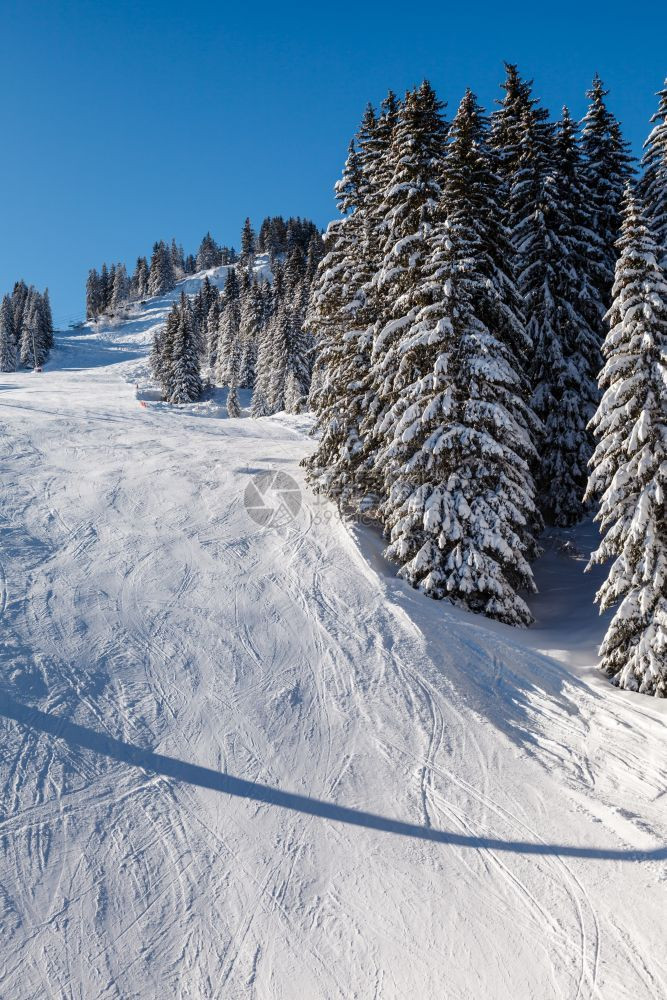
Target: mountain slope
(488,819)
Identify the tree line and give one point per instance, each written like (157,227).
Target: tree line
(111,289)
(26,328)
(461,313)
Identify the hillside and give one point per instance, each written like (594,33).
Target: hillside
(242,759)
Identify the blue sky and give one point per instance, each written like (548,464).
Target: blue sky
(126,122)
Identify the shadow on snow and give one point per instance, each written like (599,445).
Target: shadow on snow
(87,739)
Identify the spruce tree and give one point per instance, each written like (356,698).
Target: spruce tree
(233,405)
(139,283)
(208,255)
(337,301)
(607,168)
(248,241)
(459,500)
(629,465)
(93,303)
(654,180)
(186,384)
(228,329)
(571,369)
(161,275)
(8,352)
(416,159)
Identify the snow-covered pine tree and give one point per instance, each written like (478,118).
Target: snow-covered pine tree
(20,303)
(653,185)
(607,166)
(35,336)
(8,351)
(208,254)
(211,335)
(248,242)
(459,502)
(93,302)
(104,288)
(121,289)
(177,259)
(536,226)
(629,465)
(233,405)
(161,275)
(279,339)
(252,308)
(416,162)
(567,374)
(186,384)
(139,282)
(228,329)
(47,318)
(343,352)
(264,371)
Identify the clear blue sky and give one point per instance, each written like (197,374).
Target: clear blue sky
(126,122)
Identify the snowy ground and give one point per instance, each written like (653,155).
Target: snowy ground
(243,760)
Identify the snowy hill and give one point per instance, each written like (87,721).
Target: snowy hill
(241,759)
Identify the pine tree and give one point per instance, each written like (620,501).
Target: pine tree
(459,489)
(569,374)
(121,289)
(339,317)
(228,330)
(233,405)
(161,275)
(8,352)
(93,301)
(20,303)
(629,465)
(654,180)
(177,259)
(186,384)
(416,156)
(248,241)
(607,168)
(208,255)
(104,289)
(139,283)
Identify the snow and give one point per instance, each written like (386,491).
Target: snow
(246,760)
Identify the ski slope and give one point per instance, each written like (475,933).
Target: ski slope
(243,760)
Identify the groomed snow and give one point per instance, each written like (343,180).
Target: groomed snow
(242,760)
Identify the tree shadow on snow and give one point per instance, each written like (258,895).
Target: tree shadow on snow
(118,750)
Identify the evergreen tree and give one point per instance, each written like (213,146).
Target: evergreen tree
(228,330)
(248,241)
(93,298)
(104,289)
(233,405)
(460,492)
(607,168)
(161,275)
(339,316)
(629,465)
(20,302)
(654,180)
(139,283)
(177,259)
(569,373)
(8,352)
(208,255)
(121,289)
(416,156)
(186,384)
